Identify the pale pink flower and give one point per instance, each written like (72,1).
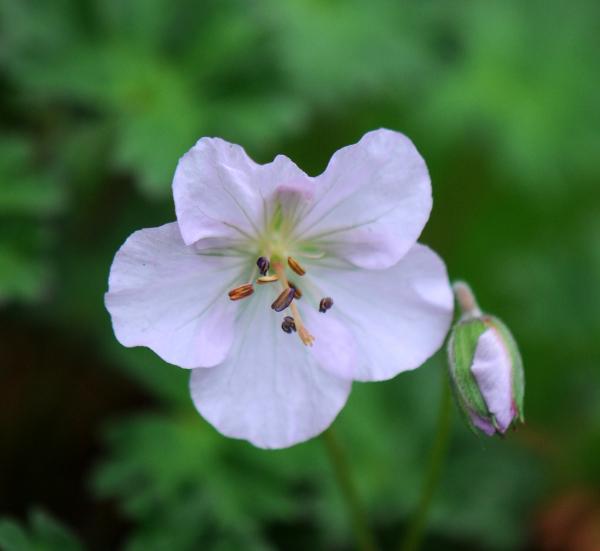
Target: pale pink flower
(279,378)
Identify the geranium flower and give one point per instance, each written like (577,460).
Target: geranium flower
(279,289)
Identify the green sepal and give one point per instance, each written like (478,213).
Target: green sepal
(461,350)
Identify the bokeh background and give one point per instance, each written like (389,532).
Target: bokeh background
(100,446)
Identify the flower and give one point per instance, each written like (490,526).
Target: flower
(486,369)
(279,289)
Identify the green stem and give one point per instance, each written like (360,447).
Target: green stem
(414,534)
(364,537)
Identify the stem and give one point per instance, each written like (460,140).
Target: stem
(414,534)
(364,536)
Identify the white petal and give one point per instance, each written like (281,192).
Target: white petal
(270,390)
(222,193)
(372,201)
(493,372)
(399,317)
(173,298)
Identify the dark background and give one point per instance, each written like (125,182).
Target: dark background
(100,446)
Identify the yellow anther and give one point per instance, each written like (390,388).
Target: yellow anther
(263,280)
(294,265)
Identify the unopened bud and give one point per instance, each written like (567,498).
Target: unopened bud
(486,369)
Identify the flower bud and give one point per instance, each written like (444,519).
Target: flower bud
(486,369)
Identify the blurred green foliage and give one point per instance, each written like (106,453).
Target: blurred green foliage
(99,99)
(44,533)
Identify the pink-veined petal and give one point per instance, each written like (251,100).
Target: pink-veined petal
(173,298)
(220,192)
(271,389)
(372,201)
(399,316)
(492,368)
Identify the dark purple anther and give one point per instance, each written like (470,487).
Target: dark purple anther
(284,299)
(263,265)
(288,325)
(298,293)
(325,304)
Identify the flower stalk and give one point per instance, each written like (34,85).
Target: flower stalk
(414,534)
(364,537)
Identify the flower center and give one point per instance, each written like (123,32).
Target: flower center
(277,243)
(288,296)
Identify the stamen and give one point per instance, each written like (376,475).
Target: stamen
(294,265)
(288,325)
(325,304)
(303,333)
(298,293)
(283,300)
(262,280)
(263,265)
(241,291)
(305,336)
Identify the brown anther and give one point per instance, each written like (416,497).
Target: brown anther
(283,300)
(298,293)
(288,325)
(263,280)
(242,291)
(325,304)
(294,265)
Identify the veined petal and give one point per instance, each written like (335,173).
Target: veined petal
(492,368)
(270,390)
(220,192)
(399,317)
(173,298)
(372,201)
